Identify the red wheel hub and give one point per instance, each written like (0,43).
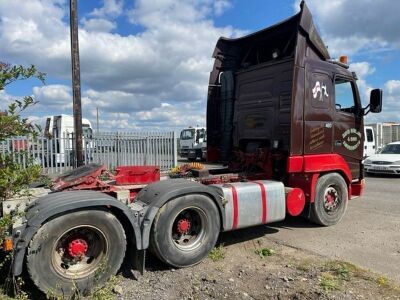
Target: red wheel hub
(330,198)
(183,226)
(77,248)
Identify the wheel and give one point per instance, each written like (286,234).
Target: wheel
(192,159)
(331,199)
(76,251)
(185,230)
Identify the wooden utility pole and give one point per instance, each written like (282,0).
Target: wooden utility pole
(76,83)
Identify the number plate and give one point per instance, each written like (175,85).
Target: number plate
(379,168)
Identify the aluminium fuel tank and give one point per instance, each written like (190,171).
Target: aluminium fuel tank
(252,203)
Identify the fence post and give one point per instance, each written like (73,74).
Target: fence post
(175,149)
(147,151)
(117,163)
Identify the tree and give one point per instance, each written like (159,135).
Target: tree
(14,177)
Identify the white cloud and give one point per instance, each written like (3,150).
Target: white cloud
(220,6)
(55,94)
(391,104)
(5,100)
(391,94)
(98,25)
(363,70)
(167,62)
(350,26)
(393,87)
(111,8)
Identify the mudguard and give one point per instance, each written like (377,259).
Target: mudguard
(59,203)
(155,195)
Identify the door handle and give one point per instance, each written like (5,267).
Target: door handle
(338,143)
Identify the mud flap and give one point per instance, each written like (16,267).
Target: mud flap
(139,261)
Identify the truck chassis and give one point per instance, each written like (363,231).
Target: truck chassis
(272,118)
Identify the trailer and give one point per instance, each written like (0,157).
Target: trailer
(284,118)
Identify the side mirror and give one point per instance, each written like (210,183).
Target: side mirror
(375,101)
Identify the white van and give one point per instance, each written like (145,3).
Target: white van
(369,141)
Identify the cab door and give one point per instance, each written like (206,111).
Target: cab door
(348,124)
(318,112)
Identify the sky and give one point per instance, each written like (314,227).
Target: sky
(145,64)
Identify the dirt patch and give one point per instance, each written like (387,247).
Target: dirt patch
(260,269)
(249,269)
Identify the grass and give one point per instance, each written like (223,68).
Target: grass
(329,282)
(343,270)
(335,272)
(305,265)
(107,291)
(264,252)
(217,253)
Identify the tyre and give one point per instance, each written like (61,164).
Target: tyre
(76,251)
(331,198)
(185,230)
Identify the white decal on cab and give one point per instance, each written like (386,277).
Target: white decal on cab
(321,89)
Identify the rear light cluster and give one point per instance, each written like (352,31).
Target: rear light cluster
(7,244)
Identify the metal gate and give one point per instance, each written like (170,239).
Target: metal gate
(56,154)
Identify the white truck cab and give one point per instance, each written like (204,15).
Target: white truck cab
(61,129)
(192,142)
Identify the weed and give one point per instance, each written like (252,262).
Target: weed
(217,253)
(342,269)
(328,282)
(107,291)
(103,266)
(382,281)
(264,252)
(304,265)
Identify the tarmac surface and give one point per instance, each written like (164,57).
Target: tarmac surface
(368,235)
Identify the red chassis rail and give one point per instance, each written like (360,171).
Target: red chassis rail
(97,178)
(303,172)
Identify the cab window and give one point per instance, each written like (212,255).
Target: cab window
(370,137)
(187,134)
(200,133)
(344,96)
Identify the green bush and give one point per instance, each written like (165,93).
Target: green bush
(15,178)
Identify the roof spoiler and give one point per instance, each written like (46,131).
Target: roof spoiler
(305,25)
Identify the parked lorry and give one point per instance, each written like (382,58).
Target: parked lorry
(199,149)
(192,143)
(61,129)
(283,116)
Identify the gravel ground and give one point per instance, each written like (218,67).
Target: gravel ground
(288,273)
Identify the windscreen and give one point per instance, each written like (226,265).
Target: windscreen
(391,149)
(187,134)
